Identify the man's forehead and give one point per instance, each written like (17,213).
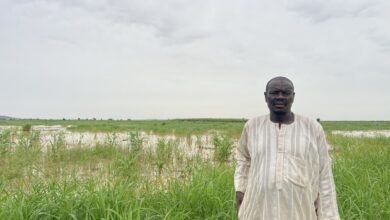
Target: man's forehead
(280,83)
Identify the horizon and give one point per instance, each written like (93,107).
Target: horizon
(160,119)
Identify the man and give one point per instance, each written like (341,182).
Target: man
(283,167)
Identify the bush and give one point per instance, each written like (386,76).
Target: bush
(26,128)
(223,147)
(136,142)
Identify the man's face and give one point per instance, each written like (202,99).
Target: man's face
(279,96)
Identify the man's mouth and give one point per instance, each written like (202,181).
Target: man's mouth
(279,105)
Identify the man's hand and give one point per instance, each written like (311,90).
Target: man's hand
(239,198)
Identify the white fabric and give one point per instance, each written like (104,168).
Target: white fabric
(285,172)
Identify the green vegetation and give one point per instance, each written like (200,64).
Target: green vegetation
(26,128)
(5,142)
(162,181)
(223,147)
(362,175)
(182,127)
(355,125)
(108,182)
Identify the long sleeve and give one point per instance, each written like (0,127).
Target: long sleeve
(243,163)
(326,204)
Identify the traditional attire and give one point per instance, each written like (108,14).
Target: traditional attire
(285,172)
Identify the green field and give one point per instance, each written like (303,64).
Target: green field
(105,181)
(177,126)
(232,127)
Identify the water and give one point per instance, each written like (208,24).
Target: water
(379,133)
(191,144)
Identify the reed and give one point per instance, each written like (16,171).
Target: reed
(106,181)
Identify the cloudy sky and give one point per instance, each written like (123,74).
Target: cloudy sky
(147,59)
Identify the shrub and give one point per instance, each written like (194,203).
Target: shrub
(223,147)
(26,128)
(136,142)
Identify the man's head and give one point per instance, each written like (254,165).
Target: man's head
(279,95)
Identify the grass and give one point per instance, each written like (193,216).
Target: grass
(70,183)
(223,147)
(207,196)
(355,125)
(138,181)
(362,175)
(181,127)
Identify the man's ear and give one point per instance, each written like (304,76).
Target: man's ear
(265,96)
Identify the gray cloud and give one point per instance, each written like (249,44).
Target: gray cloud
(169,19)
(321,11)
(381,38)
(126,59)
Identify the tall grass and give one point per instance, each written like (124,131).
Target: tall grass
(207,195)
(106,181)
(57,147)
(223,147)
(362,175)
(5,142)
(136,141)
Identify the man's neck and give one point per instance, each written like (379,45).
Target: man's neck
(286,118)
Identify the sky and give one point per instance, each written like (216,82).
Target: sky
(149,59)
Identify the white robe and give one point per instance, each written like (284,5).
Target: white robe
(285,172)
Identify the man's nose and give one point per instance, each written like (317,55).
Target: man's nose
(280,95)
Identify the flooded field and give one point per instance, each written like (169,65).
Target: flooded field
(48,135)
(190,144)
(162,155)
(59,172)
(378,133)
